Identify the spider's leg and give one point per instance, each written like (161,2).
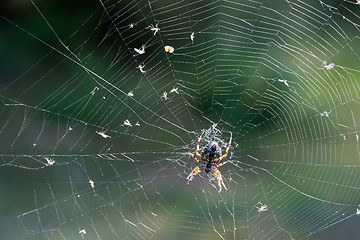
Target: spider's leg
(193,174)
(218,176)
(219,165)
(226,152)
(197,146)
(194,157)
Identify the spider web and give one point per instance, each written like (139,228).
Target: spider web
(95,134)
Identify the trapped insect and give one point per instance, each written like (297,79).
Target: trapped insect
(262,207)
(141,68)
(131,25)
(154,28)
(94,91)
(192,36)
(174,90)
(140,50)
(127,123)
(164,95)
(49,161)
(210,155)
(103,134)
(169,49)
(92,184)
(329,66)
(325,113)
(284,81)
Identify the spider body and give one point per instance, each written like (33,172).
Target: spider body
(210,152)
(208,167)
(210,155)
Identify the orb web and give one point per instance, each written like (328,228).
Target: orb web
(99,110)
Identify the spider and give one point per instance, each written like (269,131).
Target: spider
(210,155)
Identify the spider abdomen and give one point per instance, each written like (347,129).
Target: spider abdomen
(208,167)
(211,151)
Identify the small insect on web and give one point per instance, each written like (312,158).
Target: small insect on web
(169,49)
(164,96)
(140,50)
(49,161)
(153,28)
(284,81)
(141,68)
(94,91)
(103,134)
(261,207)
(325,113)
(328,66)
(82,232)
(210,155)
(174,90)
